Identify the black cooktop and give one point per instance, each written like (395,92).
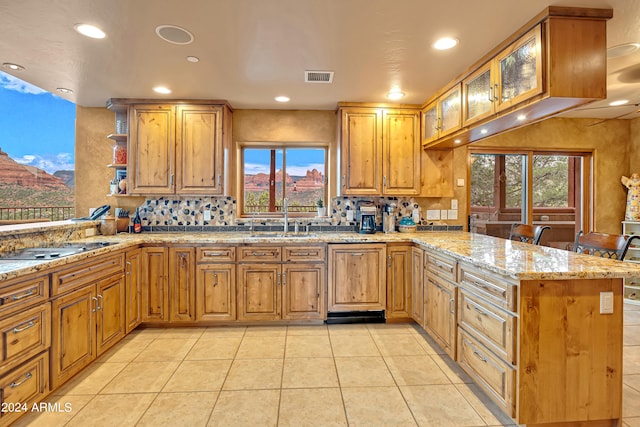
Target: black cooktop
(49,253)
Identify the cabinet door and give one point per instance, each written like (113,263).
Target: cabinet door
(155,295)
(133,300)
(401,147)
(479,95)
(519,70)
(440,312)
(417,268)
(73,342)
(357,277)
(199,150)
(259,291)
(182,284)
(398,281)
(361,151)
(450,111)
(430,123)
(303,292)
(216,292)
(110,315)
(151,151)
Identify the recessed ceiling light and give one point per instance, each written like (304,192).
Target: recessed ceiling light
(622,50)
(14,67)
(90,31)
(483,131)
(395,94)
(161,89)
(445,43)
(282,98)
(64,90)
(521,117)
(174,34)
(193,59)
(619,102)
(457,141)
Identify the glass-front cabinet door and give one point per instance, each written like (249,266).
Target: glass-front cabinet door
(430,123)
(450,111)
(519,70)
(479,98)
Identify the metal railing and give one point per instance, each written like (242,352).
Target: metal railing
(36,213)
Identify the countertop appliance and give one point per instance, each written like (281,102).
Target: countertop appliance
(366,217)
(49,253)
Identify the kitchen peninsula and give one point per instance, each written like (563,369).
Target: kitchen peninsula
(523,321)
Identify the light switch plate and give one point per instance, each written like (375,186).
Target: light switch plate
(452,214)
(460,182)
(443,214)
(433,214)
(207,215)
(454,203)
(606,302)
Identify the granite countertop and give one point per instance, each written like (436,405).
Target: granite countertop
(513,259)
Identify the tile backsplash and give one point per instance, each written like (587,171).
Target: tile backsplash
(188,214)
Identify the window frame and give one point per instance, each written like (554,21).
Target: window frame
(278,145)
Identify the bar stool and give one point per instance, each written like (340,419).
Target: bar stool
(604,245)
(527,233)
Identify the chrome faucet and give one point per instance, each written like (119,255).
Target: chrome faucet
(285,211)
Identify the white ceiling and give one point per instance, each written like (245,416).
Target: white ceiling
(253,50)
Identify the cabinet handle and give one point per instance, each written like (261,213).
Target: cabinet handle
(384,181)
(263,253)
(284,279)
(30,325)
(219,181)
(495,92)
(99,307)
(388,260)
(484,313)
(278,279)
(479,356)
(452,306)
(213,254)
(215,279)
(27,377)
(302,253)
(22,296)
(357,254)
(490,93)
(171,180)
(95,307)
(344,181)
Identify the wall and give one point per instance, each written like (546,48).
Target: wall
(609,140)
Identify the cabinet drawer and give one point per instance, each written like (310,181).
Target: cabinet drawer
(495,327)
(492,374)
(25,335)
(23,292)
(442,265)
(218,254)
(497,289)
(304,253)
(24,385)
(80,274)
(260,254)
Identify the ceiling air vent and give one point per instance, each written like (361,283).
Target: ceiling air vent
(318,76)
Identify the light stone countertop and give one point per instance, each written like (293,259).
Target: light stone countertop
(513,259)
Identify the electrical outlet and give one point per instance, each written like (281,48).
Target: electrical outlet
(443,214)
(454,204)
(606,302)
(207,215)
(89,232)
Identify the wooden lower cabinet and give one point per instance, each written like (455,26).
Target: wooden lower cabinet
(22,387)
(215,292)
(357,277)
(182,281)
(259,296)
(399,281)
(417,288)
(133,289)
(303,291)
(85,323)
(155,281)
(440,312)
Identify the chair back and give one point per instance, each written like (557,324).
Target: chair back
(604,245)
(527,233)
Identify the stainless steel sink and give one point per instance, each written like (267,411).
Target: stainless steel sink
(281,234)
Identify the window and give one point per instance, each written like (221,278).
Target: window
(272,172)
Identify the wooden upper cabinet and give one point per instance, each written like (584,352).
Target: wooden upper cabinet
(361,164)
(380,151)
(401,156)
(178,148)
(199,150)
(442,116)
(151,151)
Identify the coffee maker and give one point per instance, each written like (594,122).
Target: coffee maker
(366,217)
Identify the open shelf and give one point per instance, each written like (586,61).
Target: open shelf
(118,137)
(117,166)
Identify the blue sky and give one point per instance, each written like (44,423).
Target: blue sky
(299,161)
(37,128)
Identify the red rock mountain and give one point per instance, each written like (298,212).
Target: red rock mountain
(260,181)
(13,173)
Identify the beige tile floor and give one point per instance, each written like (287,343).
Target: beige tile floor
(356,375)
